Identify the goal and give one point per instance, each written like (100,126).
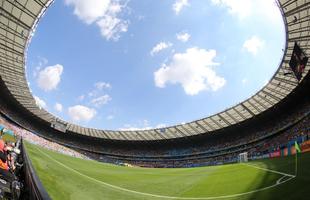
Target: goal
(243,157)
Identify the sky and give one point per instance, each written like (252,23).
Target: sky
(132,65)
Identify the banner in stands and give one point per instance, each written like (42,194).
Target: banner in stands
(275,154)
(298,61)
(305,147)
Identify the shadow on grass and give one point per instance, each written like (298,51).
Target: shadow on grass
(295,189)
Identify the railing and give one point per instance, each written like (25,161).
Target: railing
(33,186)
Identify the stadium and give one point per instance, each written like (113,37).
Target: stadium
(257,149)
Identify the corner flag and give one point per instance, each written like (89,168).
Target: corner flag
(297,147)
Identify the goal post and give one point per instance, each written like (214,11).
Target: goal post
(243,157)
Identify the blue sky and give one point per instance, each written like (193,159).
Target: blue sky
(129,64)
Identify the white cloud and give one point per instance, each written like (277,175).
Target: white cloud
(179,5)
(110,117)
(268,9)
(244,81)
(89,10)
(183,37)
(159,47)
(42,62)
(102,85)
(99,101)
(160,126)
(41,103)
(128,127)
(111,27)
(92,93)
(247,8)
(193,70)
(58,107)
(80,113)
(241,8)
(253,45)
(104,13)
(49,77)
(98,87)
(142,125)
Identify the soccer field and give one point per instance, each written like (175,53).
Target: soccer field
(65,177)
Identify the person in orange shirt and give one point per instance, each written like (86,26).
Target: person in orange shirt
(4,167)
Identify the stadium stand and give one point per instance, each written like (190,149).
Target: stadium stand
(259,138)
(264,123)
(19,21)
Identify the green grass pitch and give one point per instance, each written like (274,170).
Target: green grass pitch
(65,177)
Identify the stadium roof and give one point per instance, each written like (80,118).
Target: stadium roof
(18,21)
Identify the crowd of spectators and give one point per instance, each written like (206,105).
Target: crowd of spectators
(291,122)
(288,128)
(256,149)
(257,141)
(37,140)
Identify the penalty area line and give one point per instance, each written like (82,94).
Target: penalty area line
(269,170)
(280,179)
(155,195)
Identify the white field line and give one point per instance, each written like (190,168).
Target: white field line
(280,179)
(160,196)
(269,170)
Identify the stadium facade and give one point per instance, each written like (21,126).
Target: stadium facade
(283,102)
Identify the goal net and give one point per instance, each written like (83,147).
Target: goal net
(243,157)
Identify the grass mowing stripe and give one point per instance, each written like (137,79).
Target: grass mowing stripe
(160,196)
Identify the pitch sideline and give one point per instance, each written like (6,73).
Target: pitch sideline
(161,196)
